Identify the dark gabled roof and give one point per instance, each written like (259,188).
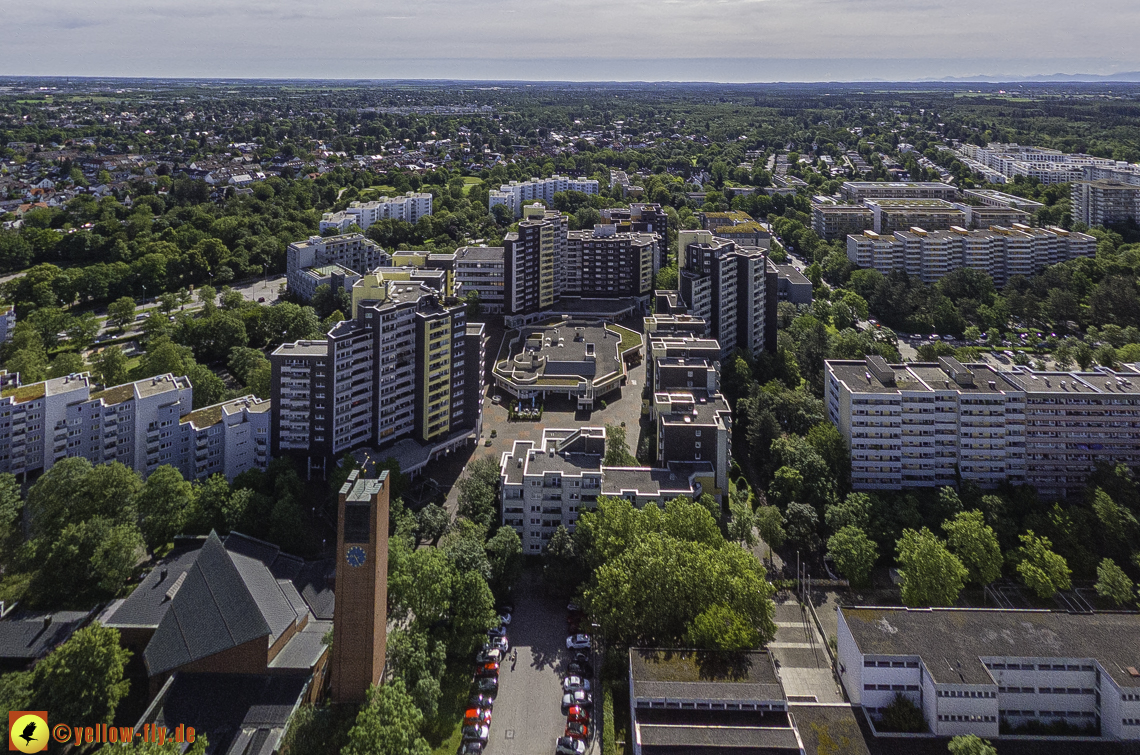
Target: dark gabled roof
(315,583)
(212,611)
(145,607)
(26,636)
(282,565)
(239,714)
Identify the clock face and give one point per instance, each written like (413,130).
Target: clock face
(356,556)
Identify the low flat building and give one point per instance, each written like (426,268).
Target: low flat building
(857,191)
(889,215)
(792,285)
(989,672)
(702,702)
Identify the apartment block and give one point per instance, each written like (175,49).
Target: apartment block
(528,267)
(643,217)
(398,369)
(608,263)
(922,425)
(516,194)
(988,672)
(143,425)
(889,215)
(1105,202)
(560,227)
(694,421)
(548,484)
(336,260)
(482,269)
(1000,252)
(987,216)
(410,208)
(857,191)
(728,288)
(831,220)
(992,198)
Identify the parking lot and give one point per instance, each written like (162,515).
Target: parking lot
(527,717)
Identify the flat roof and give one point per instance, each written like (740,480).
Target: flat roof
(479,254)
(303,348)
(687,674)
(903,204)
(952,642)
(646,481)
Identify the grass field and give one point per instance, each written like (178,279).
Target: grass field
(443,733)
(374,192)
(470,182)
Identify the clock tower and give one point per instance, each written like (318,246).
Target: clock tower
(360,615)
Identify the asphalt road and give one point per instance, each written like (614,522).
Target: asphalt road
(527,718)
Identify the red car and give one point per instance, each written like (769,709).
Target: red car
(577,730)
(578,715)
(477,717)
(488,669)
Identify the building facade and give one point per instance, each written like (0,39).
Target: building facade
(317,260)
(924,425)
(1105,202)
(482,270)
(408,208)
(857,191)
(516,194)
(728,288)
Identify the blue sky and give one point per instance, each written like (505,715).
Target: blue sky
(707,40)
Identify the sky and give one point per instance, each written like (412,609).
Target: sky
(570,40)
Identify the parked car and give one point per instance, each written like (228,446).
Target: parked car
(578,714)
(577,642)
(501,643)
(505,618)
(582,657)
(580,668)
(573,682)
(475,733)
(481,701)
(489,655)
(487,685)
(497,632)
(578,730)
(477,716)
(578,698)
(261,300)
(471,748)
(488,669)
(570,746)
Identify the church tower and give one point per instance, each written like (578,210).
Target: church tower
(360,615)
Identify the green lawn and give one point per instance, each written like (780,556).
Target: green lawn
(443,733)
(373,192)
(629,338)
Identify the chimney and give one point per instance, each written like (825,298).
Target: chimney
(47,621)
(163,574)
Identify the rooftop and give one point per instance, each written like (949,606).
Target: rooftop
(953,642)
(704,675)
(479,254)
(303,349)
(907,204)
(647,481)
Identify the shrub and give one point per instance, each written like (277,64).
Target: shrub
(902,715)
(609,739)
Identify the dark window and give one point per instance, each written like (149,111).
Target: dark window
(356,524)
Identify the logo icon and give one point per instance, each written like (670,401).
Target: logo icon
(28,730)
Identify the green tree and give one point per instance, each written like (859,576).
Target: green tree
(787,486)
(74,491)
(477,491)
(82,331)
(472,613)
(82,681)
(931,574)
(139,747)
(770,527)
(91,560)
(975,545)
(1118,522)
(110,366)
(742,526)
(15,694)
(719,627)
(164,505)
(801,522)
(854,554)
(1042,570)
(1112,583)
(560,564)
(419,661)
(388,723)
(617,450)
(121,312)
(432,521)
(854,511)
(66,363)
(505,553)
(971,744)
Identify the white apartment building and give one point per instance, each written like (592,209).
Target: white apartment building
(923,425)
(410,208)
(857,191)
(318,260)
(1001,252)
(515,194)
(481,269)
(143,425)
(1048,166)
(548,484)
(7,321)
(987,672)
(1105,202)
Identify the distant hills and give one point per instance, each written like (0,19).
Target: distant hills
(1131,76)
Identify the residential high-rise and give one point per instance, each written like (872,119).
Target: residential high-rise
(528,267)
(397,369)
(918,424)
(606,263)
(410,208)
(7,321)
(1105,202)
(481,269)
(728,288)
(643,217)
(360,618)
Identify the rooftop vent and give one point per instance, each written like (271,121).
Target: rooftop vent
(1132,671)
(993,385)
(174,587)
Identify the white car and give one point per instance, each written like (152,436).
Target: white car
(574,683)
(505,619)
(578,642)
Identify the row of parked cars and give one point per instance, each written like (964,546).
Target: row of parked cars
(485,686)
(577,698)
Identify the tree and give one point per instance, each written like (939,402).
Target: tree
(787,486)
(560,563)
(1042,570)
(81,681)
(91,560)
(472,613)
(82,331)
(110,366)
(617,450)
(854,554)
(432,522)
(164,505)
(854,511)
(901,715)
(121,312)
(719,627)
(971,744)
(742,526)
(419,661)
(505,553)
(1112,583)
(66,363)
(975,545)
(931,574)
(388,723)
(477,491)
(74,491)
(801,522)
(770,526)
(15,694)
